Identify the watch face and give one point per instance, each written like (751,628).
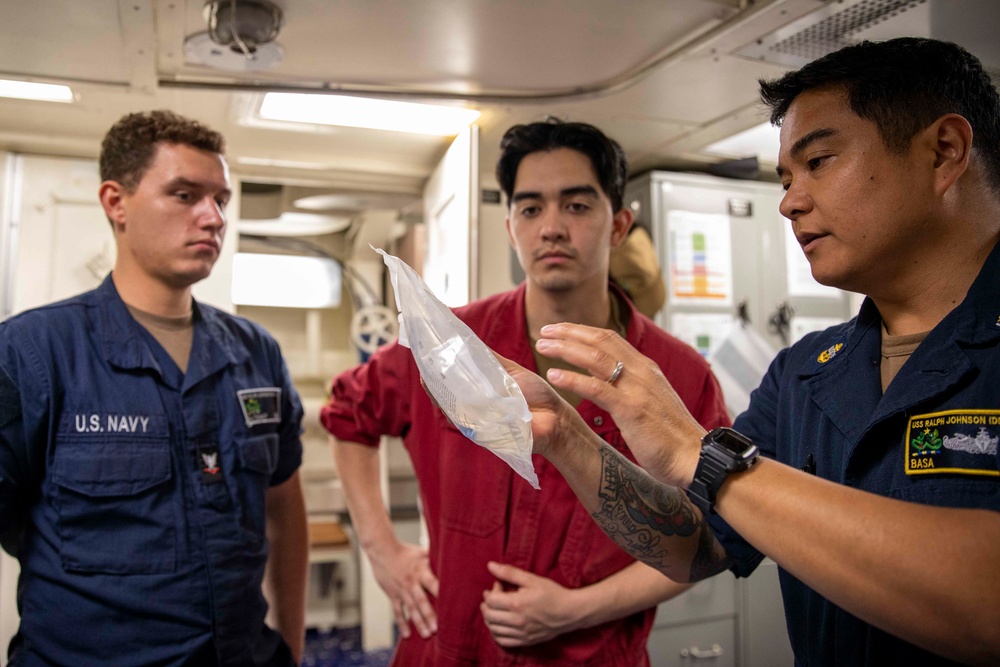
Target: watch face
(732,441)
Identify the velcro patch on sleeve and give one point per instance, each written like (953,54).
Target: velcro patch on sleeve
(261,405)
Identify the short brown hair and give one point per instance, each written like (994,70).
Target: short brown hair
(130,145)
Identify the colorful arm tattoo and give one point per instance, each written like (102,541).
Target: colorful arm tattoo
(641,515)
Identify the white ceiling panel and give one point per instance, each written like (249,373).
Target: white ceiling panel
(65,39)
(664,77)
(467,45)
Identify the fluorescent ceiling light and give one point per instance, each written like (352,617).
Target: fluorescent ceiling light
(367,113)
(30,90)
(761,141)
(290,281)
(356,200)
(291,223)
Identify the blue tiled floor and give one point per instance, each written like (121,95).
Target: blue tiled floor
(340,647)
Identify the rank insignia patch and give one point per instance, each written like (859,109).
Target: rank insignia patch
(208,462)
(953,441)
(829,353)
(261,405)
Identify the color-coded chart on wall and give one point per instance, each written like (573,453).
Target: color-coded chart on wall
(700,258)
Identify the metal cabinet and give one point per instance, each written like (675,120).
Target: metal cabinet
(708,642)
(724,622)
(725,249)
(697,627)
(761,626)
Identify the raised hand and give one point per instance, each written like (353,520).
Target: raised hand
(662,434)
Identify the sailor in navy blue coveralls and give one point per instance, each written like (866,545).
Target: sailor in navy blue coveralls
(931,439)
(133,495)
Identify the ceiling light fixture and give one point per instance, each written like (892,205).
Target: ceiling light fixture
(240,36)
(292,223)
(30,90)
(367,113)
(243,25)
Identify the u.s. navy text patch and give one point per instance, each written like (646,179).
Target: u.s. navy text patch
(953,441)
(261,405)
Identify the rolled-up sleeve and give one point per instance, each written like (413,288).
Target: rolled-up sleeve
(373,399)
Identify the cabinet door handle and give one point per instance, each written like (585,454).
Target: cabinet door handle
(700,654)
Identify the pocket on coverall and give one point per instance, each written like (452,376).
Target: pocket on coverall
(258,459)
(115,505)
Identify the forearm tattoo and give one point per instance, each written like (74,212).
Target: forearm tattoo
(641,515)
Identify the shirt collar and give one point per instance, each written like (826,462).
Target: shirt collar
(123,347)
(977,319)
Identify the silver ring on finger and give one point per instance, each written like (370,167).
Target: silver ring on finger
(615,373)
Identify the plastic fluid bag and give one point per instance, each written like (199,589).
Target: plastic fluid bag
(479,397)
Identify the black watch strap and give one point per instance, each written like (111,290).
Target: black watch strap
(723,451)
(708,477)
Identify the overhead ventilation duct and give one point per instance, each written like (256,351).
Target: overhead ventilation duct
(970,23)
(240,36)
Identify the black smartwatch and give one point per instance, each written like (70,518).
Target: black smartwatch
(723,451)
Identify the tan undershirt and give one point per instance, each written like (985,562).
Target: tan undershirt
(895,351)
(618,321)
(175,334)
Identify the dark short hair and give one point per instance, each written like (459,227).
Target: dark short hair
(130,145)
(605,154)
(903,85)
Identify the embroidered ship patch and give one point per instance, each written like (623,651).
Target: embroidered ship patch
(953,441)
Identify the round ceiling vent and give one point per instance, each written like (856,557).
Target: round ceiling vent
(201,49)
